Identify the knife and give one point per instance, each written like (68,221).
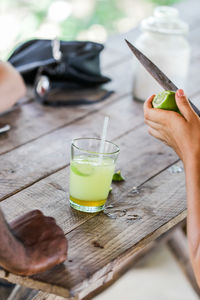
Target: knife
(156,73)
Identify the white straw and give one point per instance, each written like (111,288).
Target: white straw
(103,138)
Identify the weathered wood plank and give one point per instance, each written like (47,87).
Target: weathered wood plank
(46,296)
(141,157)
(132,222)
(134,219)
(34,284)
(108,59)
(9,169)
(127,264)
(35,160)
(51,196)
(33,120)
(19,162)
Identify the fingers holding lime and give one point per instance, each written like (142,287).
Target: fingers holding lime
(165,100)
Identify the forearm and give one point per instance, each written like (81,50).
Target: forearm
(12,87)
(193,220)
(12,252)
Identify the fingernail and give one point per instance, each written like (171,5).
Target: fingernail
(180,93)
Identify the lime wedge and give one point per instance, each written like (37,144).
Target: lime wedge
(118,176)
(82,169)
(165,100)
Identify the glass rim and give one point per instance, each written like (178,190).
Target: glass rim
(94,152)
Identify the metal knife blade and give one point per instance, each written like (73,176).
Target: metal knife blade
(156,73)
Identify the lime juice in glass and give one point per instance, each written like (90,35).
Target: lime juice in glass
(91,173)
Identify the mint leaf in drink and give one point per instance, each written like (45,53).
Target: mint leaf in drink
(117,177)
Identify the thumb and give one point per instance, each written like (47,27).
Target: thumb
(183,104)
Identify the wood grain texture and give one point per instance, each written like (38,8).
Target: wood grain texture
(131,223)
(141,158)
(34,174)
(33,284)
(33,120)
(36,121)
(128,226)
(46,296)
(127,264)
(33,161)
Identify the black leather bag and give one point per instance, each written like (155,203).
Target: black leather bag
(63,73)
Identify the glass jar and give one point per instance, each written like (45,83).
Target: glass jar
(163,42)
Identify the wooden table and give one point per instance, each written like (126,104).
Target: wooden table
(34,174)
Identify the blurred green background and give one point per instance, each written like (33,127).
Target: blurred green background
(94,20)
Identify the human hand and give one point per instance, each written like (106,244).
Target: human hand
(179,131)
(44,242)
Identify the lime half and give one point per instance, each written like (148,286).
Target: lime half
(82,169)
(165,100)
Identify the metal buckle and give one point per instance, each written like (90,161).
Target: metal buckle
(57,54)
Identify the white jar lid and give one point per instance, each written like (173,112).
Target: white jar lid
(165,20)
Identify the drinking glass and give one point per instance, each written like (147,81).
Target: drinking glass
(91,173)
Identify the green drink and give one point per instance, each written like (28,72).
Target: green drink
(91,174)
